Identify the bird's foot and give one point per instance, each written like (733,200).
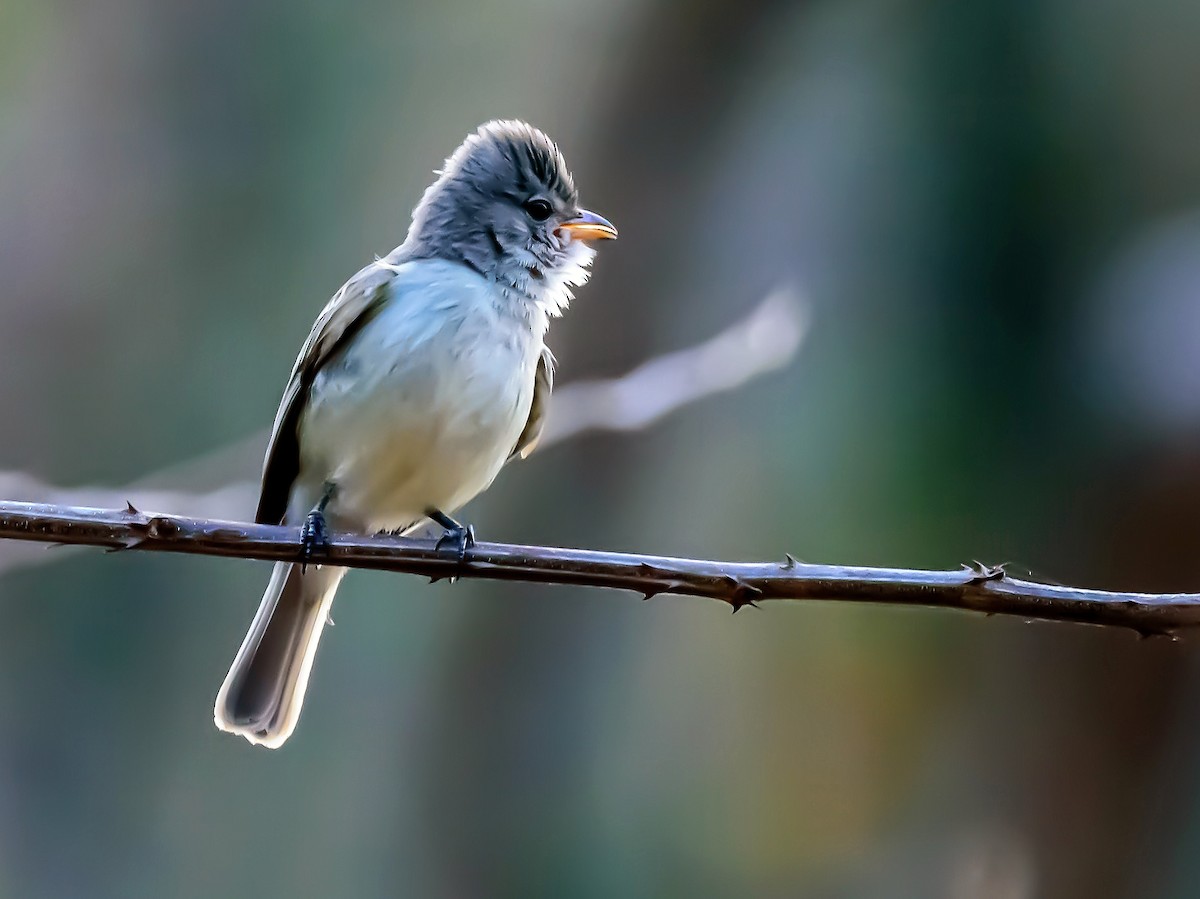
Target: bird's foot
(313,535)
(457,539)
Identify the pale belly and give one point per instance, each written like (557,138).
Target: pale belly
(399,431)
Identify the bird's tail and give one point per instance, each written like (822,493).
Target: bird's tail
(264,690)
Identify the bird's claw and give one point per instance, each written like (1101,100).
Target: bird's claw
(457,540)
(313,535)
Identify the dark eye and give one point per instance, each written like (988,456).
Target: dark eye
(539,210)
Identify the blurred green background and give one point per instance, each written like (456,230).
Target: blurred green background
(993,207)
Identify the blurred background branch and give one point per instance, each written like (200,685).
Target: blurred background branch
(974,588)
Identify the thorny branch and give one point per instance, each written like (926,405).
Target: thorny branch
(975,587)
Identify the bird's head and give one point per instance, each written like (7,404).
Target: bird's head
(506,205)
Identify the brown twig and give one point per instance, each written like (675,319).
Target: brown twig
(975,587)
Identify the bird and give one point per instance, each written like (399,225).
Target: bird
(421,378)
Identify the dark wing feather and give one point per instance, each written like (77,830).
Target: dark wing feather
(350,309)
(543,384)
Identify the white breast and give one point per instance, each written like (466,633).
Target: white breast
(424,406)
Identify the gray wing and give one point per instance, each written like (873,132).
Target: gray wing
(351,308)
(543,383)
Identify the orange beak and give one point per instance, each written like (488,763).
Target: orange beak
(589,226)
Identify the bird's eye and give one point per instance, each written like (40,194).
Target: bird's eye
(539,210)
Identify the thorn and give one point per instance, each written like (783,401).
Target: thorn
(982,573)
(650,593)
(130,509)
(743,595)
(161,527)
(791,562)
(1152,634)
(648,570)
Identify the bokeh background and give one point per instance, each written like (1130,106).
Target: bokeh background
(993,209)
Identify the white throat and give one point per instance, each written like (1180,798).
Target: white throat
(549,292)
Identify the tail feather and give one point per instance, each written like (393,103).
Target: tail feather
(264,690)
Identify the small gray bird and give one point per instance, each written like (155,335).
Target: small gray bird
(423,375)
